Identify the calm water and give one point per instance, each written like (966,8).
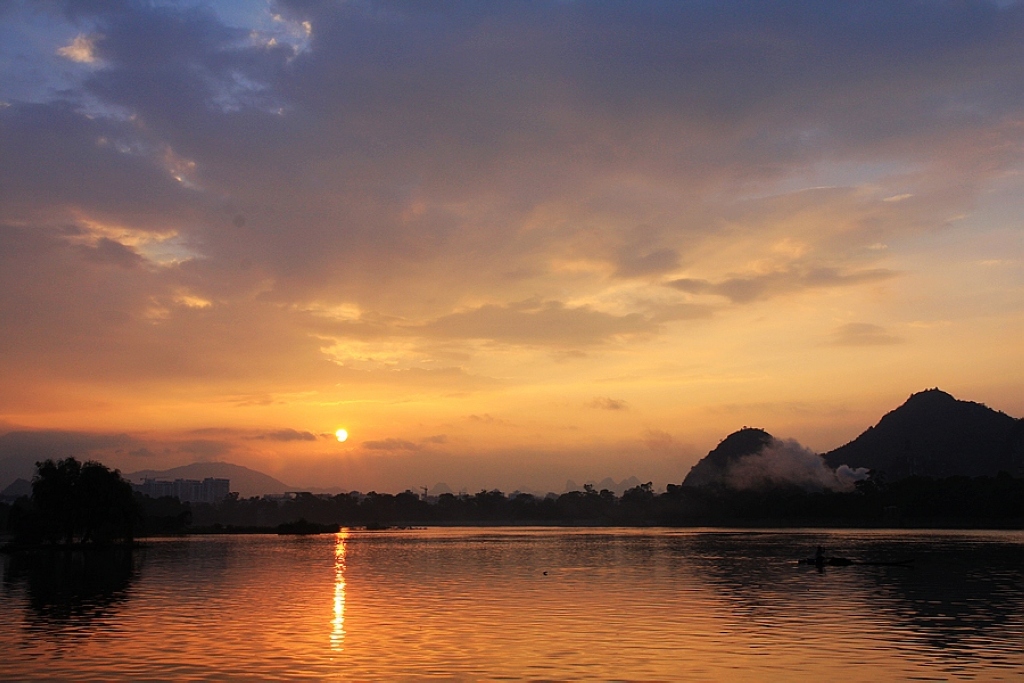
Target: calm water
(523,603)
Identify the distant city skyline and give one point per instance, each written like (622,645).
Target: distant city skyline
(383,245)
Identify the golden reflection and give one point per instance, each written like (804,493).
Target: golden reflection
(338,623)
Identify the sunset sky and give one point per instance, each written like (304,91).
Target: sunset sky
(501,244)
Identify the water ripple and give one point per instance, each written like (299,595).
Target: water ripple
(565,604)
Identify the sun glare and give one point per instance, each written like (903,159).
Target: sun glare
(341,434)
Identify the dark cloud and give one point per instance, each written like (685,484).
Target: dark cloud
(605,403)
(764,286)
(59,444)
(525,104)
(115,253)
(56,157)
(20,450)
(285,435)
(359,164)
(650,263)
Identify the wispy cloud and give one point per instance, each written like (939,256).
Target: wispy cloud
(605,403)
(745,289)
(539,322)
(863,334)
(81,49)
(285,435)
(391,444)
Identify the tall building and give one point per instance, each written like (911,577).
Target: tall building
(209,490)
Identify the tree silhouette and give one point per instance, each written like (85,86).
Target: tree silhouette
(74,502)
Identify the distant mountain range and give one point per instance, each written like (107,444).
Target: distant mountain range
(932,434)
(245,481)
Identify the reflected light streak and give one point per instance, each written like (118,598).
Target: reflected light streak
(338,623)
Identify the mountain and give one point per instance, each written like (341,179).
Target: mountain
(712,468)
(13,468)
(245,481)
(934,434)
(17,489)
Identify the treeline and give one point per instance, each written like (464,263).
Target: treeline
(996,502)
(77,504)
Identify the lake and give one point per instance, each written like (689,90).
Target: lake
(523,603)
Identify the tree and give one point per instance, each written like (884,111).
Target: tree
(75,502)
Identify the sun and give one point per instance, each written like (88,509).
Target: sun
(341,434)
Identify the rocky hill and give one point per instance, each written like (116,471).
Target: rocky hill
(713,468)
(934,434)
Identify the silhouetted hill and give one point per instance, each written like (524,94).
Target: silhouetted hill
(712,468)
(245,481)
(17,467)
(17,488)
(934,434)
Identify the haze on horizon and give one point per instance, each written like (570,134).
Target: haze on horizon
(501,244)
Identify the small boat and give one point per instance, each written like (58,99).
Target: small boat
(827,561)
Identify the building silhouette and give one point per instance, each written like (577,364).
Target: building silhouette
(209,490)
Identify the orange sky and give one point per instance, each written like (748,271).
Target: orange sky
(502,248)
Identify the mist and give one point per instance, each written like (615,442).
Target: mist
(785,462)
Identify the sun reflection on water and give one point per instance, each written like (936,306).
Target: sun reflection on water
(338,623)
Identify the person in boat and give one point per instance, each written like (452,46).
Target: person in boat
(819,555)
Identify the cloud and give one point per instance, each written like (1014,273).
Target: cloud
(849,476)
(203,450)
(115,253)
(786,462)
(487,418)
(605,403)
(863,334)
(658,440)
(768,285)
(81,49)
(285,435)
(209,208)
(391,444)
(21,449)
(537,322)
(399,445)
(58,443)
(650,263)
